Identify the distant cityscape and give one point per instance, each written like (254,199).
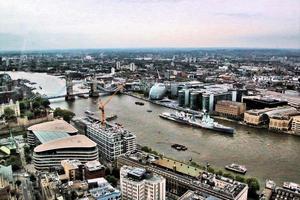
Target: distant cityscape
(88,151)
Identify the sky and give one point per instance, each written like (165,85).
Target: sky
(66,24)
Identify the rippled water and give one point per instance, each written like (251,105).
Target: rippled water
(267,155)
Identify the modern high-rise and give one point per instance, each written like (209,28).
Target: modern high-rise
(138,184)
(112,141)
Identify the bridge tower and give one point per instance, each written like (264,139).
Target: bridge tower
(69,87)
(94,91)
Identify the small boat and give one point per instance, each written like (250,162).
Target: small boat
(139,103)
(236,168)
(179,147)
(88,112)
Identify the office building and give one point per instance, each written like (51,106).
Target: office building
(50,154)
(230,109)
(112,141)
(138,184)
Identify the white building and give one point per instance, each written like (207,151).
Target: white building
(138,184)
(112,141)
(132,67)
(118,65)
(14,106)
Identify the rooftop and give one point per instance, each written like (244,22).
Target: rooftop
(47,136)
(93,165)
(76,141)
(54,126)
(179,167)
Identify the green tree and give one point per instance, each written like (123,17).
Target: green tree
(253,185)
(29,114)
(15,162)
(228,175)
(65,114)
(9,113)
(240,179)
(220,173)
(146,149)
(116,172)
(32,178)
(112,180)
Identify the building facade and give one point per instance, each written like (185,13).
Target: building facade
(112,141)
(230,109)
(50,154)
(138,184)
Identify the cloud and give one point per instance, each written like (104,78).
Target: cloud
(239,15)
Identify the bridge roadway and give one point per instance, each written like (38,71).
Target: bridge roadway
(103,93)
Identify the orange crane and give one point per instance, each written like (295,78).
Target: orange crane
(102,105)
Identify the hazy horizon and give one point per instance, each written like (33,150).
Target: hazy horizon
(134,24)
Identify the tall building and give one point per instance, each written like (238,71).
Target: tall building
(132,67)
(138,184)
(118,65)
(112,141)
(50,154)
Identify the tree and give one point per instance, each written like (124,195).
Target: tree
(9,113)
(15,162)
(112,180)
(116,172)
(240,179)
(253,185)
(220,173)
(65,114)
(228,175)
(32,178)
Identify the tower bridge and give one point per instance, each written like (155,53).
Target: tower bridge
(95,90)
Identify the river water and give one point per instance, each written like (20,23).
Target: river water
(266,155)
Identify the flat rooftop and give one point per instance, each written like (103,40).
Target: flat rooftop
(76,141)
(47,136)
(54,126)
(179,166)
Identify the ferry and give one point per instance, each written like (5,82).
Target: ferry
(236,168)
(188,119)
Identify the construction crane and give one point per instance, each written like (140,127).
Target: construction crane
(103,104)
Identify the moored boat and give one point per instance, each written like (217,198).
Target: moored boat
(189,119)
(236,168)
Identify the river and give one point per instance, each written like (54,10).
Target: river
(266,155)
